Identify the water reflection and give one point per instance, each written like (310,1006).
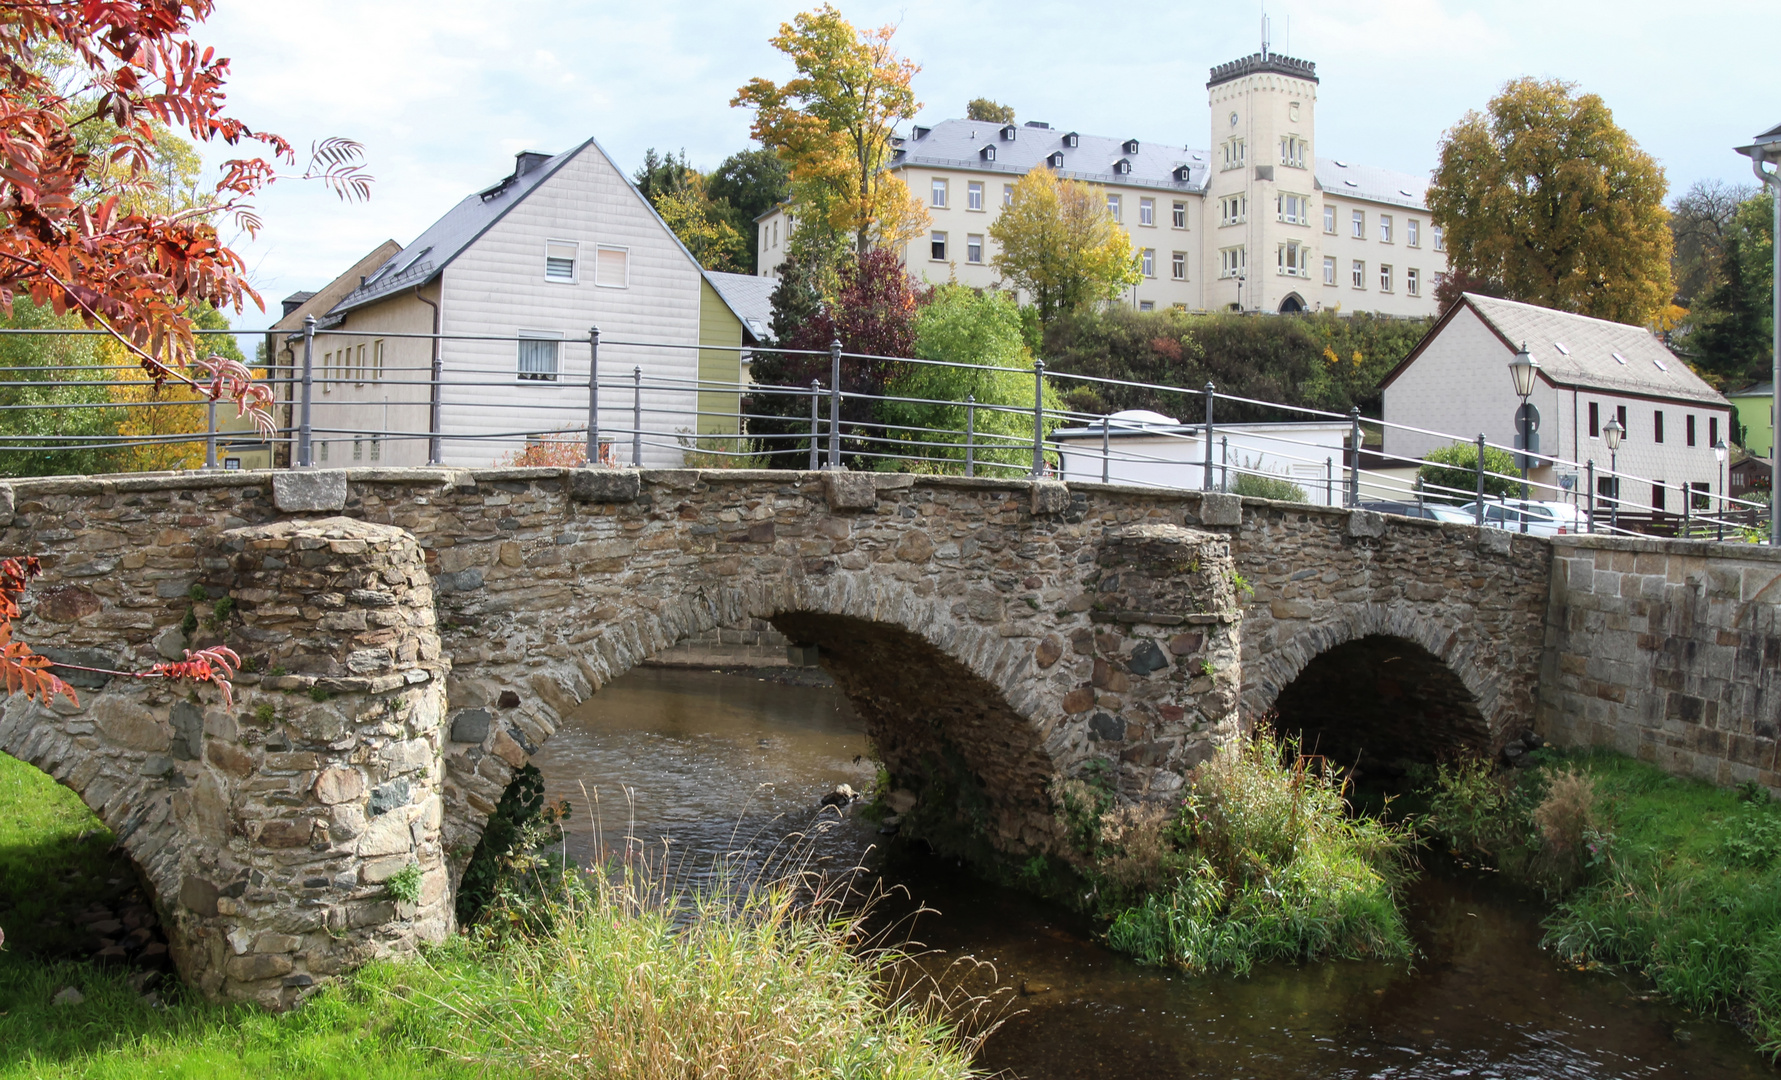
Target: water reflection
(716,761)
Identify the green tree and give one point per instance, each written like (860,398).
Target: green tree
(985,109)
(1700,224)
(59,420)
(1550,202)
(662,175)
(748,184)
(961,326)
(681,195)
(1729,340)
(1456,467)
(1060,245)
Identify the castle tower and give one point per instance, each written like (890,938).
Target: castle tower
(1261,198)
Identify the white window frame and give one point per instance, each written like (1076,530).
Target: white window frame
(1114,204)
(1358,220)
(556,373)
(1359,269)
(1147,262)
(1385,279)
(1232,261)
(1178,215)
(1292,209)
(1329,220)
(1178,266)
(1147,212)
(974,195)
(1329,270)
(1147,305)
(937,237)
(1439,236)
(1235,154)
(1007,194)
(1292,151)
(1413,281)
(1385,229)
(1291,259)
(974,243)
(1233,210)
(1412,232)
(599,281)
(938,193)
(574,277)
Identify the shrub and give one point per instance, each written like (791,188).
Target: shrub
(1267,487)
(1456,467)
(1262,861)
(405,884)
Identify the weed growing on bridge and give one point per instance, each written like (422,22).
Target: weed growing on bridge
(1263,860)
(1676,878)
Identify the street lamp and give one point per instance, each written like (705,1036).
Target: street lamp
(1611,435)
(1719,456)
(1524,368)
(1767,147)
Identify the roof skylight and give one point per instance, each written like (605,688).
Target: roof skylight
(1661,366)
(1560,346)
(1618,359)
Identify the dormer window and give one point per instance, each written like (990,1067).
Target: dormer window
(1183,173)
(1072,139)
(1056,160)
(988,153)
(1008,133)
(1122,167)
(1131,146)
(919,133)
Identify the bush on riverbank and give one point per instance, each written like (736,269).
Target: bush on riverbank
(1674,877)
(630,980)
(1262,860)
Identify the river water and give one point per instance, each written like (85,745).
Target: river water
(707,771)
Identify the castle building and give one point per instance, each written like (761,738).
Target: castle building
(1258,222)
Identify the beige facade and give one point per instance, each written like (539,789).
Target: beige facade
(1257,222)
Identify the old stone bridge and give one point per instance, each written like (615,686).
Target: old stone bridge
(415,635)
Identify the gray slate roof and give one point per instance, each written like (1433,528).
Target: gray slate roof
(958,144)
(1649,369)
(750,297)
(420,261)
(1761,389)
(1340,177)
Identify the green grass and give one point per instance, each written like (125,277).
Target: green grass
(631,981)
(1674,877)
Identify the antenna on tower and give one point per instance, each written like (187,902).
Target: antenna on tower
(1264,35)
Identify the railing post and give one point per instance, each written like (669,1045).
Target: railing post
(210,434)
(1329,481)
(303,454)
(970,434)
(1687,497)
(1038,418)
(1224,463)
(1354,459)
(1206,484)
(1480,473)
(815,400)
(637,418)
(1590,479)
(1106,449)
(593,397)
(835,404)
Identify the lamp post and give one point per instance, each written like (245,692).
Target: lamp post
(1719,456)
(1611,435)
(1524,368)
(1767,148)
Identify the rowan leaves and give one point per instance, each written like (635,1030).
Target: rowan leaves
(20,668)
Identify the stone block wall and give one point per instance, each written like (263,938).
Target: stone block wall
(1667,651)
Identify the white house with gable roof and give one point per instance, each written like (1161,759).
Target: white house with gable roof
(1259,221)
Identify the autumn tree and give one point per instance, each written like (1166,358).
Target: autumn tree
(985,109)
(152,415)
(79,149)
(1552,203)
(1060,245)
(833,126)
(748,184)
(1700,226)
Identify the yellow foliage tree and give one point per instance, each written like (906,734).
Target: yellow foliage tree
(1548,201)
(1060,245)
(833,125)
(701,225)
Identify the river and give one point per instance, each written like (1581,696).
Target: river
(708,771)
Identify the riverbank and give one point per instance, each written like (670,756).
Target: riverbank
(621,985)
(1675,879)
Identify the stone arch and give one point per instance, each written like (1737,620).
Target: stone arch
(1293,304)
(1436,644)
(942,692)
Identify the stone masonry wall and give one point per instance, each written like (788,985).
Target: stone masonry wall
(1667,651)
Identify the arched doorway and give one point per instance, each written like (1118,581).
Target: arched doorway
(1292,305)
(1379,703)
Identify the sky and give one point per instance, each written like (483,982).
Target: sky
(443,93)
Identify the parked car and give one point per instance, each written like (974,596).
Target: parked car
(1543,518)
(1429,511)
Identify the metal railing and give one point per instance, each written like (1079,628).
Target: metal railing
(482,404)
